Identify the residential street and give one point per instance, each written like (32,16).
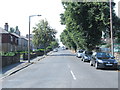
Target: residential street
(62,69)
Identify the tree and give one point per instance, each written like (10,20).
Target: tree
(85,22)
(54,44)
(43,34)
(67,40)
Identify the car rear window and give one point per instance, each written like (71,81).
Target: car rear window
(80,51)
(88,52)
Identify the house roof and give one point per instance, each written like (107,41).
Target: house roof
(3,31)
(15,34)
(23,37)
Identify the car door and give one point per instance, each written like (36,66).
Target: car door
(94,59)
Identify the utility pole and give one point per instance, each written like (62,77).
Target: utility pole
(111,29)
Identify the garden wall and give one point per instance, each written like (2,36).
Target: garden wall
(25,56)
(8,60)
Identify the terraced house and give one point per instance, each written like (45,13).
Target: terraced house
(9,41)
(23,44)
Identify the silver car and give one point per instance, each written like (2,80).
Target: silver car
(79,53)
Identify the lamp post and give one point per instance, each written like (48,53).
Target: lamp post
(29,37)
(111,30)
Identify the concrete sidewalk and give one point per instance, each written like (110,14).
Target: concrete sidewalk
(11,69)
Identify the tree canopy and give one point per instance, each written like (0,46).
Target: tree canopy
(85,22)
(43,34)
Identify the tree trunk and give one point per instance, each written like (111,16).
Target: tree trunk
(45,49)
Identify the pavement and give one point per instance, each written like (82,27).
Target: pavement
(11,69)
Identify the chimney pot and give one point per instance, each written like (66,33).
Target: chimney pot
(6,26)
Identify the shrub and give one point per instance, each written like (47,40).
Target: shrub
(10,54)
(7,53)
(23,52)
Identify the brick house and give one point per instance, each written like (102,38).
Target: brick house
(31,43)
(23,44)
(9,41)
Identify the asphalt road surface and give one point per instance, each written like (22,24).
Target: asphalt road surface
(62,69)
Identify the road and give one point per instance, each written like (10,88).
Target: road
(62,69)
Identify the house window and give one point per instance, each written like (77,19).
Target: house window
(15,48)
(11,38)
(16,40)
(11,48)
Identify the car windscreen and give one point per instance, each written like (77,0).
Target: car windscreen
(103,55)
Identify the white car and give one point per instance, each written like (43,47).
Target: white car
(55,50)
(79,53)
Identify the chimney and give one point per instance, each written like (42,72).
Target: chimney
(26,35)
(6,26)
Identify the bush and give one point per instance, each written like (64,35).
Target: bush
(23,52)
(49,48)
(7,53)
(39,50)
(2,54)
(10,54)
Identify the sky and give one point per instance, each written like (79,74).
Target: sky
(17,12)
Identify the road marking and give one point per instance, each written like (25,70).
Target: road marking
(71,72)
(73,75)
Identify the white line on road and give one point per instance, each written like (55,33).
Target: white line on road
(73,75)
(71,72)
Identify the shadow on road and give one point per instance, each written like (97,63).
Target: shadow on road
(109,69)
(62,55)
(7,68)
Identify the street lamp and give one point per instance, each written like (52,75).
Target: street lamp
(111,30)
(29,37)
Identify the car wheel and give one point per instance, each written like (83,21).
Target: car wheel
(91,63)
(83,60)
(96,65)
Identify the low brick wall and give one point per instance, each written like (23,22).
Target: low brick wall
(39,53)
(8,60)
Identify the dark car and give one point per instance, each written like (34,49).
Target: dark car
(86,56)
(79,53)
(103,60)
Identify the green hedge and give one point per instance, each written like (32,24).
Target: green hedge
(39,50)
(7,53)
(22,52)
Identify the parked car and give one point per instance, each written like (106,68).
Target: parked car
(55,50)
(63,48)
(103,60)
(86,56)
(79,53)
